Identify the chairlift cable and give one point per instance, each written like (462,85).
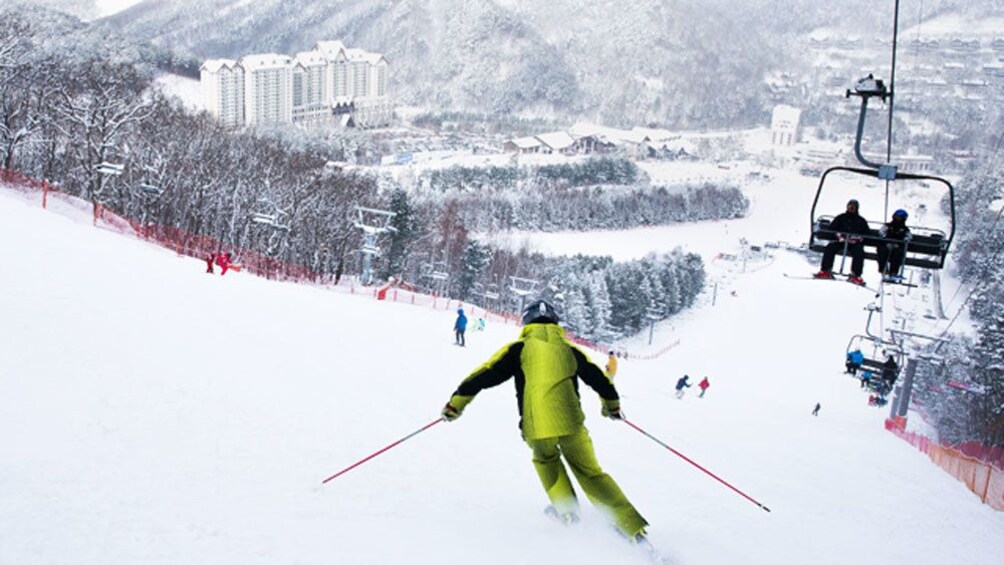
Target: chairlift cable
(888,150)
(892,100)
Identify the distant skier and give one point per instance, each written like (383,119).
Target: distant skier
(546,368)
(854,360)
(481,325)
(815,411)
(209,263)
(224,260)
(850,229)
(611,365)
(459,327)
(681,385)
(703,385)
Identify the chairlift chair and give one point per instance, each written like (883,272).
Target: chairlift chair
(928,247)
(150,189)
(886,347)
(107,168)
(261,218)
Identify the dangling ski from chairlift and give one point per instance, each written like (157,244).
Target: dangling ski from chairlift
(837,278)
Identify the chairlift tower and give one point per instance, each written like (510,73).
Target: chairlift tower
(373,223)
(274,217)
(521,288)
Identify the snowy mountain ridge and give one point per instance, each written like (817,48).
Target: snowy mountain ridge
(636,62)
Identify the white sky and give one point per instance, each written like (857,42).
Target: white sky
(156,414)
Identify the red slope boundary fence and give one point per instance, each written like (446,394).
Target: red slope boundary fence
(980,467)
(188,244)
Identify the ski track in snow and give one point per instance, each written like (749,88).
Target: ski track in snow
(155,414)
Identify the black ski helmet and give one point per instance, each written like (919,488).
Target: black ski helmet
(540,311)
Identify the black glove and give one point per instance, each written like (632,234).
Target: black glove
(450,413)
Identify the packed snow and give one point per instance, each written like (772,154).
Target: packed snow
(158,414)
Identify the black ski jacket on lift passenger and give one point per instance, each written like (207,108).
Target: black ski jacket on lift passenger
(850,223)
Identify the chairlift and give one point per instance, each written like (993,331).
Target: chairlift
(881,349)
(267,219)
(928,247)
(150,190)
(373,221)
(106,168)
(523,287)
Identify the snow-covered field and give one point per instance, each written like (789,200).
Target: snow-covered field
(152,413)
(185,89)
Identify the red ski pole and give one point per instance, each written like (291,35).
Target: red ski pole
(396,443)
(692,462)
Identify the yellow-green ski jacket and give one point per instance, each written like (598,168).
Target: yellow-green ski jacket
(546,368)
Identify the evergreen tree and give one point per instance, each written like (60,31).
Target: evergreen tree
(474,262)
(598,304)
(402,236)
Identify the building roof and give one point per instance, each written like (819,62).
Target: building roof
(655,134)
(214,65)
(557,140)
(525,142)
(265,61)
(329,49)
(609,135)
(362,55)
(307,58)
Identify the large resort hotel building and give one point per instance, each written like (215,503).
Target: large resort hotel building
(328,85)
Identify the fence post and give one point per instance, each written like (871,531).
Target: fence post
(45,193)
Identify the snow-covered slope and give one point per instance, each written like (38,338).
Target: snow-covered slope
(152,413)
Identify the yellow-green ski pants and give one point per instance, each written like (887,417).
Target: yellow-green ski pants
(599,487)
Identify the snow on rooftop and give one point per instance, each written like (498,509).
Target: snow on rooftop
(214,65)
(557,140)
(526,142)
(330,48)
(306,58)
(265,61)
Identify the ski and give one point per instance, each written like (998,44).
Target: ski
(899,282)
(841,279)
(566,519)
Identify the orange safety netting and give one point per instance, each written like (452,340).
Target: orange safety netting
(981,477)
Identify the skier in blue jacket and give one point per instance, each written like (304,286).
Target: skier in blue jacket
(854,360)
(460,327)
(682,385)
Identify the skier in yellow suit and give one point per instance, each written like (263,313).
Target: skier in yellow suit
(546,368)
(612,365)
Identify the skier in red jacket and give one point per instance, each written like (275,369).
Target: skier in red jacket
(224,260)
(704,384)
